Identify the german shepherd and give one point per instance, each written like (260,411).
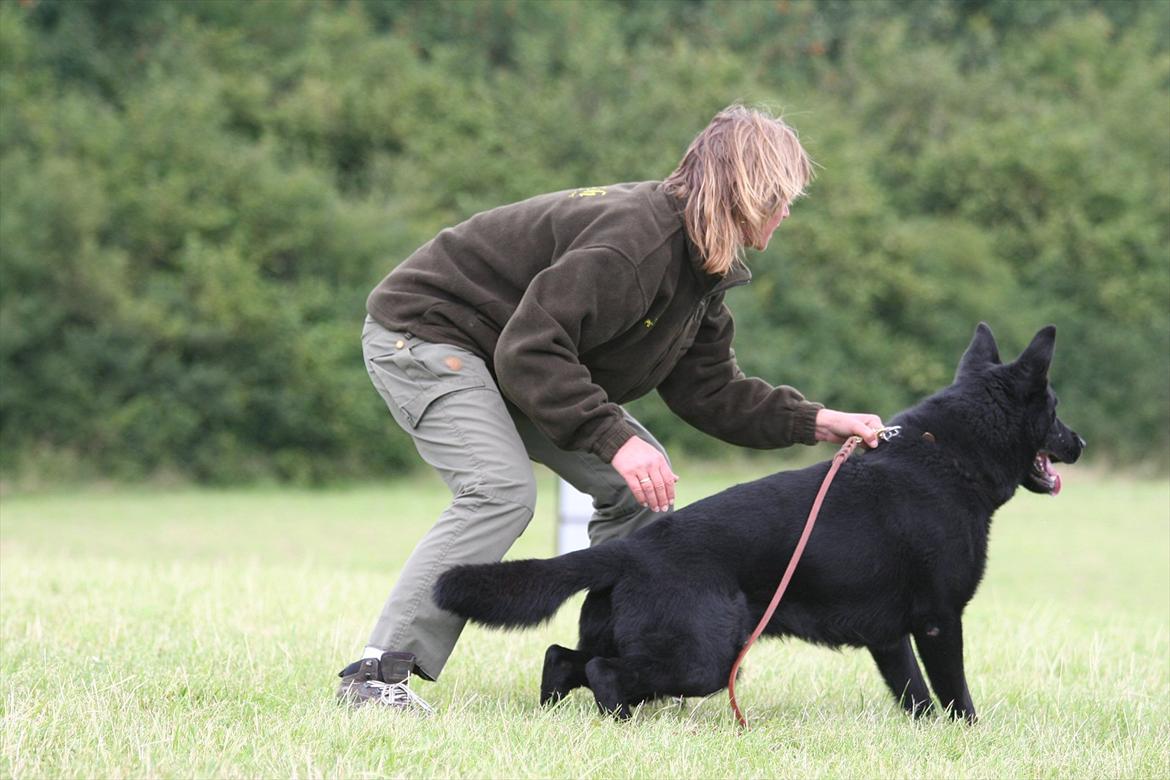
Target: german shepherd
(898,550)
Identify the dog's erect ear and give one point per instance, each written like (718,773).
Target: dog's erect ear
(1034,361)
(981,352)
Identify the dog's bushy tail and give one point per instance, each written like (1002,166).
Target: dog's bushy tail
(524,593)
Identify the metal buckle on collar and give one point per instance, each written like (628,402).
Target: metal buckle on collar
(889,432)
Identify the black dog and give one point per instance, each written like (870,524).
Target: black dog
(898,551)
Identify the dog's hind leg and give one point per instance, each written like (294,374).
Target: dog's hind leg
(621,683)
(605,678)
(595,625)
(564,670)
(900,670)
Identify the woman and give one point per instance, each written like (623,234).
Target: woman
(516,335)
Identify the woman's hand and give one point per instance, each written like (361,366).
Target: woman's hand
(836,426)
(647,472)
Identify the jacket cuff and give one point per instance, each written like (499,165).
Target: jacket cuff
(608,445)
(804,423)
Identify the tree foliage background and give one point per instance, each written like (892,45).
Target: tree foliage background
(197,197)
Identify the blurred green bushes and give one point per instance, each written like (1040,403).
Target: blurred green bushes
(197,196)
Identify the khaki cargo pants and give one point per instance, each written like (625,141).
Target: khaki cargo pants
(481,446)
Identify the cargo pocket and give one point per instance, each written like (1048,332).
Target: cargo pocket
(418,373)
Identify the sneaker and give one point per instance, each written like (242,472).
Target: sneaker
(381,681)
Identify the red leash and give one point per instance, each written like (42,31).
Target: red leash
(843,453)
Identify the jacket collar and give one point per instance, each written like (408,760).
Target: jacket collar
(738,274)
(711,284)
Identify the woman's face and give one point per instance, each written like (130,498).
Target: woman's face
(761,241)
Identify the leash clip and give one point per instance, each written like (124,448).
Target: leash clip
(889,432)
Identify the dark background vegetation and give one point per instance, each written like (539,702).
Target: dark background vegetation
(197,197)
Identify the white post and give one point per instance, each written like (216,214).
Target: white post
(574,510)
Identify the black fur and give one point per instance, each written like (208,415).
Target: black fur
(897,552)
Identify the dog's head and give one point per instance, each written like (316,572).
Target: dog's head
(1021,397)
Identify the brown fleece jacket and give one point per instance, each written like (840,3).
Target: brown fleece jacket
(585,299)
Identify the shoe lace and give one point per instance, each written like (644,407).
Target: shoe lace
(400,695)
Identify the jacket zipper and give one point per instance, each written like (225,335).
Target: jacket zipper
(699,312)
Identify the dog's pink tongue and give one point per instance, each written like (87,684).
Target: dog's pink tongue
(1055,477)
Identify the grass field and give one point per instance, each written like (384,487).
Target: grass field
(192,633)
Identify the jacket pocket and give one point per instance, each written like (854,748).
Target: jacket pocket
(418,373)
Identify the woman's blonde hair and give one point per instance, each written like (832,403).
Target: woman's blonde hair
(737,172)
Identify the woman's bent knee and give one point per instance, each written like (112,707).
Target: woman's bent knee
(519,492)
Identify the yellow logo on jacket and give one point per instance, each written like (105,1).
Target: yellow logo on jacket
(588,192)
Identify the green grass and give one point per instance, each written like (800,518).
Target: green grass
(193,633)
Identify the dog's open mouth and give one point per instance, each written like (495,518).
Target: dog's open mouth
(1043,477)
